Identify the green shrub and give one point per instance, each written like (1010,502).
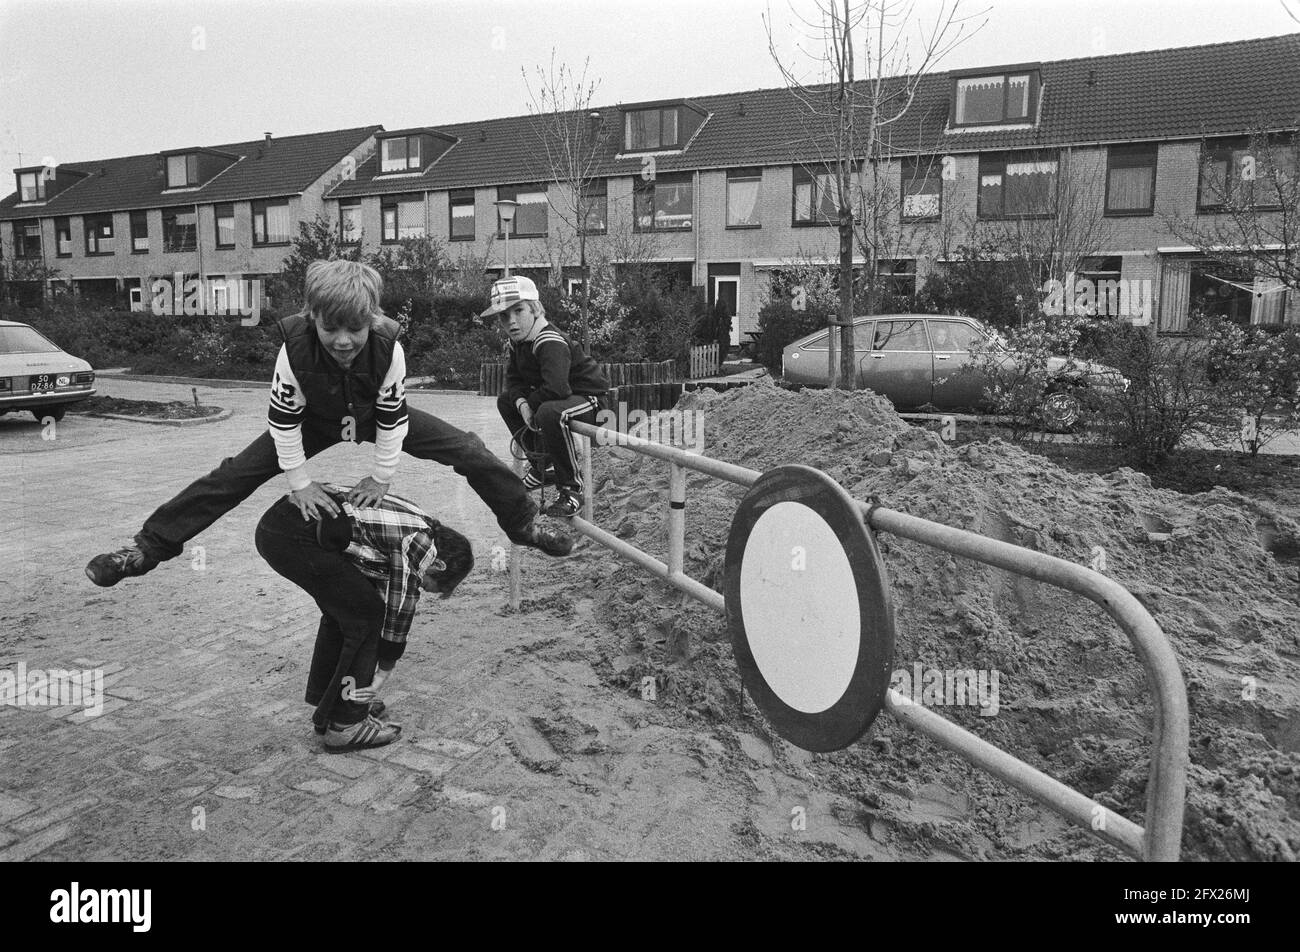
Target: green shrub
(781,324)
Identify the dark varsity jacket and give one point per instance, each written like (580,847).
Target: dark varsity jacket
(310,385)
(550,367)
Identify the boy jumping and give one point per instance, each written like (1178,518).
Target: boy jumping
(338,377)
(549,382)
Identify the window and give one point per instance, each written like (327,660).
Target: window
(350,221)
(31,185)
(271,222)
(225,218)
(27,239)
(180,229)
(922,189)
(139,232)
(815,198)
(401,216)
(993,100)
(63,237)
(462,215)
(400,155)
(1131,179)
(596,206)
(1011,186)
(743,189)
(645,130)
(99,234)
(664,204)
(952,336)
(182,170)
(863,334)
(897,276)
(901,336)
(1233,174)
(530,217)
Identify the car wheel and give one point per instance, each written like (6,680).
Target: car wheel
(42,412)
(1061,411)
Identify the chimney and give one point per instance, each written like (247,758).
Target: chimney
(268,139)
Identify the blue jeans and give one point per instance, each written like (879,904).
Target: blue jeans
(206,500)
(352,610)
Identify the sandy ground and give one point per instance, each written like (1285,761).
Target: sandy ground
(528,735)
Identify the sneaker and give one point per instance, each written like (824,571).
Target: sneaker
(568,505)
(371,732)
(545,538)
(111,567)
(377,708)
(534,480)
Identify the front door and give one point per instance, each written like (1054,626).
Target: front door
(899,365)
(727,290)
(957,386)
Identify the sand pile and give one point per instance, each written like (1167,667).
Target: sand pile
(1218,571)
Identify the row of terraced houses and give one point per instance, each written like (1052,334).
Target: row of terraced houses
(737,192)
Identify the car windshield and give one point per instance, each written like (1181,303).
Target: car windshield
(24,340)
(996,339)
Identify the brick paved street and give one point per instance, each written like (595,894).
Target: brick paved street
(513,747)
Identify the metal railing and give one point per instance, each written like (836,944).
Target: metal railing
(1158,840)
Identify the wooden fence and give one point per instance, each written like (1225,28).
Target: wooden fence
(492,375)
(642,386)
(704,361)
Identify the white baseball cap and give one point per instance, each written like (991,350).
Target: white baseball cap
(508,292)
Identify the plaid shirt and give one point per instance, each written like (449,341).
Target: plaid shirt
(392,543)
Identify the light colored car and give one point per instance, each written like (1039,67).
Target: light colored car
(917,360)
(36,375)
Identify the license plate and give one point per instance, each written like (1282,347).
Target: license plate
(41,383)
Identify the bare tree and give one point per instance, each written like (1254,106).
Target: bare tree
(1255,192)
(846,121)
(1052,220)
(571,138)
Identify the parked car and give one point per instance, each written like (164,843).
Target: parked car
(915,360)
(36,375)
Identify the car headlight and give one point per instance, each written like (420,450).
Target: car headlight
(5,383)
(63,380)
(85,376)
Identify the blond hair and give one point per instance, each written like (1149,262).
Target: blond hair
(342,293)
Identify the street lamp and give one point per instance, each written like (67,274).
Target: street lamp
(506,211)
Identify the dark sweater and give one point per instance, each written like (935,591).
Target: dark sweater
(549,367)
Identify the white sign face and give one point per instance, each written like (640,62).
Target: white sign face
(802,618)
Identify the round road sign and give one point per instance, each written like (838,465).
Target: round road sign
(808,608)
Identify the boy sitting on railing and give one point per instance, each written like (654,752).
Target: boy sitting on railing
(549,382)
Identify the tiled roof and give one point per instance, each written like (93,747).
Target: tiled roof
(1187,92)
(286,167)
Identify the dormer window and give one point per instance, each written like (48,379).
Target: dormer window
(1002,99)
(650,129)
(401,154)
(31,186)
(182,170)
